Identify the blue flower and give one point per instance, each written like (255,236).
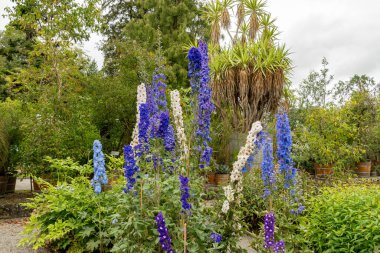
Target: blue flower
(163,232)
(100,176)
(215,237)
(199,73)
(185,193)
(130,167)
(267,168)
(284,149)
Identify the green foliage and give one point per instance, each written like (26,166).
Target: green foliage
(62,135)
(254,207)
(72,217)
(314,90)
(326,137)
(343,219)
(146,22)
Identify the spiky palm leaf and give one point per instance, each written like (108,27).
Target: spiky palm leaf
(213,13)
(255,9)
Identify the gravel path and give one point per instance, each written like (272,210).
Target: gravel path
(10,235)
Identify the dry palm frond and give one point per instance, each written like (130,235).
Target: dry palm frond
(255,9)
(240,13)
(225,18)
(212,13)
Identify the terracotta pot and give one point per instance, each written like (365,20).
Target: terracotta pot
(3,184)
(38,187)
(323,170)
(363,169)
(222,179)
(211,178)
(11,184)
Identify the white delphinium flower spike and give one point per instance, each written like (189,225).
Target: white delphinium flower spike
(178,121)
(141,99)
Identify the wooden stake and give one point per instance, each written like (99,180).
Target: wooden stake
(184,237)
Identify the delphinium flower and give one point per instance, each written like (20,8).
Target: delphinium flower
(284,149)
(194,70)
(269,240)
(259,142)
(143,134)
(165,240)
(178,121)
(130,167)
(215,237)
(267,168)
(165,131)
(236,174)
(100,176)
(141,99)
(199,73)
(185,194)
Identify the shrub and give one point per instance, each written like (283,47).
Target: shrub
(344,219)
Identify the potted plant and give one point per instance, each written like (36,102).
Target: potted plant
(329,139)
(222,176)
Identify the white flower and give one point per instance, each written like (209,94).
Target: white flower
(226,206)
(229,193)
(178,121)
(141,99)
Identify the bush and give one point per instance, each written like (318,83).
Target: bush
(254,207)
(344,219)
(73,218)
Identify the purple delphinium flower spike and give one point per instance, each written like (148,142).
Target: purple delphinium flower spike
(100,176)
(185,193)
(199,73)
(130,167)
(269,241)
(165,240)
(215,237)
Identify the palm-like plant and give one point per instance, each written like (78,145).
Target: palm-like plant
(249,74)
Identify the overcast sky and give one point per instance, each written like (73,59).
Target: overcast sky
(346,32)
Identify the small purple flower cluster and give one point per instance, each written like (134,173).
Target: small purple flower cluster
(269,225)
(165,240)
(215,237)
(185,193)
(267,167)
(284,149)
(199,73)
(130,167)
(100,176)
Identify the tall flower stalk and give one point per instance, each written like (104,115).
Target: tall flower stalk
(141,99)
(100,176)
(284,149)
(130,167)
(269,239)
(199,73)
(233,191)
(178,121)
(165,240)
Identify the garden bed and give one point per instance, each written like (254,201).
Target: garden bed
(10,205)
